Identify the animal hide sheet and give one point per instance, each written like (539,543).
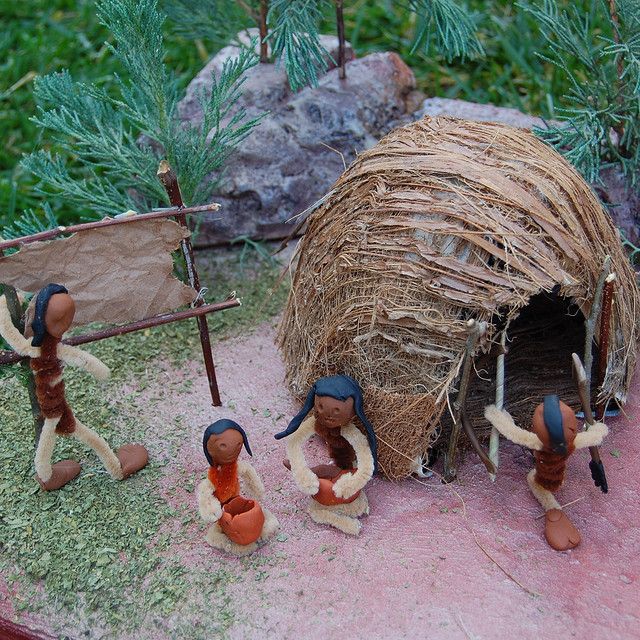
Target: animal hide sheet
(121,273)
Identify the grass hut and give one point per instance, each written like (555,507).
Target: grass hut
(443,221)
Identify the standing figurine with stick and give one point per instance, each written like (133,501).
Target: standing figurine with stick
(337,489)
(54,310)
(553,437)
(238,523)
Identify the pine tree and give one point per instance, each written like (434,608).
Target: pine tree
(109,145)
(602,112)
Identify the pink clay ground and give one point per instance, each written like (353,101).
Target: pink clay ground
(461,561)
(420,566)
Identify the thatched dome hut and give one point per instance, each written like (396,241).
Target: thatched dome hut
(446,220)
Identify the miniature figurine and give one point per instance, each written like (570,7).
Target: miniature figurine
(54,310)
(337,489)
(238,523)
(553,438)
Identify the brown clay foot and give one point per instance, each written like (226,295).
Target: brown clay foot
(559,531)
(286,463)
(133,457)
(63,472)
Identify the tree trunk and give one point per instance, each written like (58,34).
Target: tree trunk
(341,40)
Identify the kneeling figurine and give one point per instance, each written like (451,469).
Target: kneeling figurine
(238,523)
(554,437)
(336,489)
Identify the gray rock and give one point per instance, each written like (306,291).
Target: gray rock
(622,201)
(295,155)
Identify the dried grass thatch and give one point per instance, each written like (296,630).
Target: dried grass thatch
(446,220)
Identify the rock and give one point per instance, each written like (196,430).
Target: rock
(622,201)
(295,155)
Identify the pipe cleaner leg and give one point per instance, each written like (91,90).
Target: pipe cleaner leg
(331,516)
(359,507)
(101,449)
(218,540)
(52,477)
(271,525)
(559,531)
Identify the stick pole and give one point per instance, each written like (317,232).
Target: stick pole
(170,183)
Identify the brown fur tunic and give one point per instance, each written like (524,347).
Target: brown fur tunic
(550,467)
(340,451)
(51,397)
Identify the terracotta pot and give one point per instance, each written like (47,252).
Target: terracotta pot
(242,520)
(325,493)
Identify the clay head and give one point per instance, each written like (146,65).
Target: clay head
(331,413)
(555,424)
(54,311)
(222,442)
(334,400)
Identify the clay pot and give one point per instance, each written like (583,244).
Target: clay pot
(242,520)
(325,493)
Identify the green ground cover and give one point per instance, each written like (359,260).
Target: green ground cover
(94,552)
(43,36)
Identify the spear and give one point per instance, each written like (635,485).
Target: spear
(596,466)
(601,306)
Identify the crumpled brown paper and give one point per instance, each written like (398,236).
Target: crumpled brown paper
(121,273)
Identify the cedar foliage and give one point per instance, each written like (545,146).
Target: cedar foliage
(294,25)
(602,108)
(109,144)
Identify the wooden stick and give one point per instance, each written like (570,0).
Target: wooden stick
(494,440)
(15,311)
(11,357)
(262,25)
(106,222)
(590,323)
(603,339)
(475,330)
(170,182)
(342,73)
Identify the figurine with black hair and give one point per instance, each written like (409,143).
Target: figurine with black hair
(53,310)
(238,523)
(337,489)
(553,437)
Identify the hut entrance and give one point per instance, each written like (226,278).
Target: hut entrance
(541,340)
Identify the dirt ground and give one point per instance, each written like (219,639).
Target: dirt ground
(462,561)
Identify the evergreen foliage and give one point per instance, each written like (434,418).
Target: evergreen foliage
(296,40)
(197,19)
(113,168)
(602,111)
(453,28)
(295,30)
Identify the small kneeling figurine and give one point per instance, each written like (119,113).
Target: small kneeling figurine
(54,310)
(336,489)
(238,523)
(554,437)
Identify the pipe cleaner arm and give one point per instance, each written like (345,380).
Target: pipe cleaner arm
(84,360)
(14,338)
(592,437)
(504,423)
(208,505)
(350,483)
(307,481)
(251,479)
